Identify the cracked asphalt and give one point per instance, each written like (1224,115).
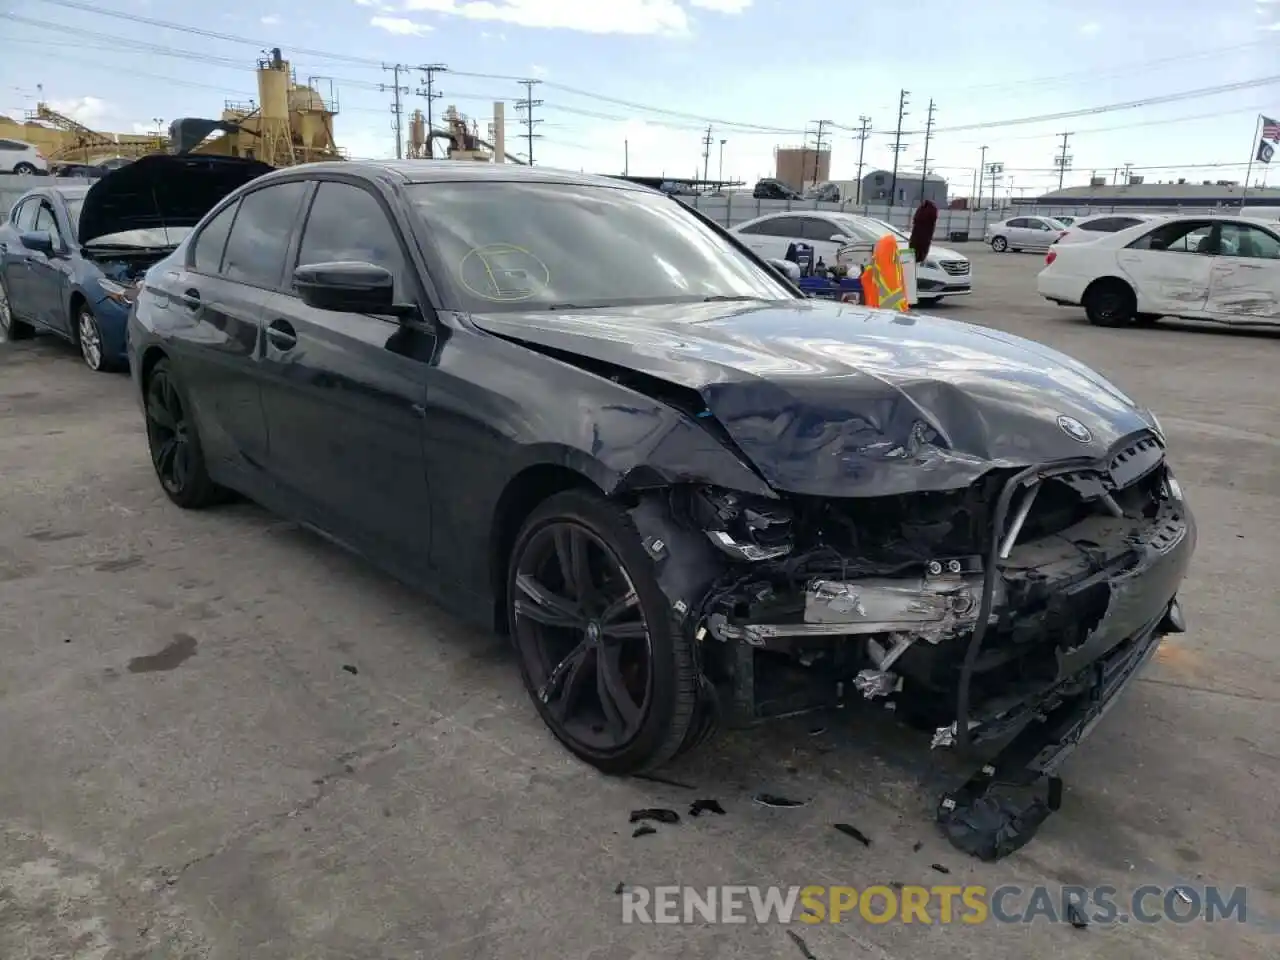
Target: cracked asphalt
(225,738)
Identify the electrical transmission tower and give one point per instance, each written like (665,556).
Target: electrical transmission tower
(863,133)
(428,92)
(397,107)
(924,164)
(898,145)
(819,134)
(525,107)
(1063,160)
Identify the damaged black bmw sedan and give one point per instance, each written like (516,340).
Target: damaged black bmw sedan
(579,412)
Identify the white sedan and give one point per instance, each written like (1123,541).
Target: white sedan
(1198,268)
(1088,229)
(944,273)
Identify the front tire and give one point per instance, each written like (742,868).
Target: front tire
(1110,303)
(174,443)
(88,336)
(608,668)
(999,244)
(930,301)
(24,169)
(11,328)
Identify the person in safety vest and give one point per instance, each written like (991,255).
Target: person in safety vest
(883,285)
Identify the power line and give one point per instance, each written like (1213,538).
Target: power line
(898,145)
(397,109)
(757,128)
(431,95)
(526,107)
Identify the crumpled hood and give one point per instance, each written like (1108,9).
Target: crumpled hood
(831,399)
(162,191)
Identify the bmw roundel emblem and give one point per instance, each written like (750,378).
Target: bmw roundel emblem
(1074,429)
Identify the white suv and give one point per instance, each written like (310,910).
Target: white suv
(18,156)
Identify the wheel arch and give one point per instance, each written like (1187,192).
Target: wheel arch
(1105,280)
(520,497)
(150,357)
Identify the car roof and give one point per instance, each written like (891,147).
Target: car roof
(455,171)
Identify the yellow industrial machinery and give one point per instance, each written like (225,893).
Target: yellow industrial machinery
(289,124)
(60,138)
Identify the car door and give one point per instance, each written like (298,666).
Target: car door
(1170,267)
(345,393)
(817,232)
(49,275)
(234,266)
(1041,233)
(14,257)
(1016,232)
(1244,283)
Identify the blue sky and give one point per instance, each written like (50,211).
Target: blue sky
(763,71)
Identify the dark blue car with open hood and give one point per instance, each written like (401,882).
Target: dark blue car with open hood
(72,257)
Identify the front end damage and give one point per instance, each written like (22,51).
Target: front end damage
(1007,613)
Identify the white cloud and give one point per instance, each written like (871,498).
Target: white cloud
(400,26)
(722,6)
(270,20)
(1090,28)
(538,70)
(364,3)
(84,110)
(636,17)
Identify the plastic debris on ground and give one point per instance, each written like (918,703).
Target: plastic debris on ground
(643,830)
(699,807)
(992,826)
(939,867)
(804,947)
(773,800)
(849,830)
(349,668)
(657,814)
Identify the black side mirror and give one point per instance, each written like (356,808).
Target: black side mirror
(350,286)
(39,241)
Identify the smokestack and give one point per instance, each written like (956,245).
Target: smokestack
(499,132)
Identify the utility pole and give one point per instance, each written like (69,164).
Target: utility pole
(430,94)
(1127,168)
(924,164)
(706,153)
(982,169)
(397,108)
(994,170)
(897,146)
(526,107)
(863,133)
(720,174)
(1062,161)
(817,151)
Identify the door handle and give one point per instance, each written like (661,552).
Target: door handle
(282,335)
(191,299)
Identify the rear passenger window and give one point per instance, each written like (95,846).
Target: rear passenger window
(1098,226)
(259,238)
(206,257)
(347,223)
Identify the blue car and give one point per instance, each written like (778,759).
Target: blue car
(72,257)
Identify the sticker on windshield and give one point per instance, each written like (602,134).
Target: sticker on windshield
(503,273)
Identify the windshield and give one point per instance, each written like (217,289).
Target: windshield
(866,229)
(529,246)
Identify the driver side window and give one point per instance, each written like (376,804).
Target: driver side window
(47,222)
(1248,241)
(1182,236)
(348,223)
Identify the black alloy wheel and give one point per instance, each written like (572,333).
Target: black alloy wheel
(1109,303)
(607,667)
(175,446)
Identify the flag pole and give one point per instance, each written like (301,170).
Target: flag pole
(1253,152)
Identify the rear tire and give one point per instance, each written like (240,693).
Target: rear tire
(999,244)
(174,443)
(1110,303)
(655,724)
(11,328)
(24,169)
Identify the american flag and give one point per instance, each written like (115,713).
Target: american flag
(1270,130)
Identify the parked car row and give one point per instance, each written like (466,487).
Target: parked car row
(944,273)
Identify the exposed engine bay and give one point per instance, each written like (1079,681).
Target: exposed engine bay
(974,613)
